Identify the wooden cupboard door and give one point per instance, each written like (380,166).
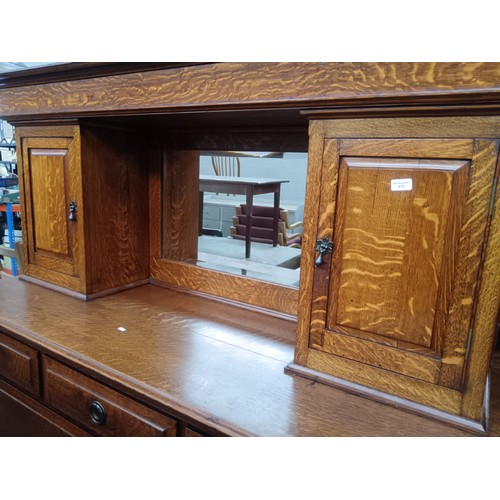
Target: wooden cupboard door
(407,219)
(52,180)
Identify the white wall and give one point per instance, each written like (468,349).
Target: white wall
(292,167)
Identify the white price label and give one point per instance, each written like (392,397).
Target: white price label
(401,184)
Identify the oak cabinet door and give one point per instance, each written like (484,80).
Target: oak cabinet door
(407,219)
(52,183)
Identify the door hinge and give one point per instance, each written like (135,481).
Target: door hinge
(492,199)
(469,342)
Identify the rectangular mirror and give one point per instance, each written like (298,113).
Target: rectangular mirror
(237,212)
(252,208)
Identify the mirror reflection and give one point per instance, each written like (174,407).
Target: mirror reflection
(251,214)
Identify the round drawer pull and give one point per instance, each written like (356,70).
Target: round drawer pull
(97,413)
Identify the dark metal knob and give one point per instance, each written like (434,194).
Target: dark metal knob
(73,208)
(97,413)
(323,246)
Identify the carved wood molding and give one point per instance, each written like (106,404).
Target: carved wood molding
(245,86)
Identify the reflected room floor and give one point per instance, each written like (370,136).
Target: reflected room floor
(272,264)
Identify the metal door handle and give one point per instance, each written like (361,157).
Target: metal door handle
(323,246)
(73,208)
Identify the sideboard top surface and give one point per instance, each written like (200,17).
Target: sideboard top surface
(215,362)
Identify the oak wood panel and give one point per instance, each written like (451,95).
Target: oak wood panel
(419,110)
(264,295)
(326,211)
(62,128)
(311,214)
(216,366)
(49,202)
(63,281)
(420,391)
(404,128)
(390,358)
(71,393)
(155,202)
(465,232)
(181,205)
(181,274)
(350,302)
(19,364)
(486,319)
(115,180)
(408,148)
(469,253)
(66,271)
(388,247)
(227,85)
(50,237)
(21,416)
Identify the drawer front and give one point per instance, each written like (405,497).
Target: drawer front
(99,409)
(22,416)
(19,364)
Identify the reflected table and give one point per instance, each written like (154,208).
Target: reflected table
(250,187)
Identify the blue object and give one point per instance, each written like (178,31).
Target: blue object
(12,234)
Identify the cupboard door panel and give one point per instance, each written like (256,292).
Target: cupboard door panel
(51,180)
(389,245)
(49,201)
(397,293)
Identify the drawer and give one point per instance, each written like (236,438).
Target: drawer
(19,365)
(98,408)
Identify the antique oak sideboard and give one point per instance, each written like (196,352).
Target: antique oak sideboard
(114,329)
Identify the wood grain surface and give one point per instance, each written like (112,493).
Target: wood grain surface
(214,364)
(432,246)
(468,262)
(311,214)
(282,299)
(177,205)
(115,182)
(181,172)
(50,178)
(402,128)
(48,198)
(487,312)
(71,393)
(19,364)
(21,416)
(258,85)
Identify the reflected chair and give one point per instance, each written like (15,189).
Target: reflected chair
(263,226)
(289,234)
(226,165)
